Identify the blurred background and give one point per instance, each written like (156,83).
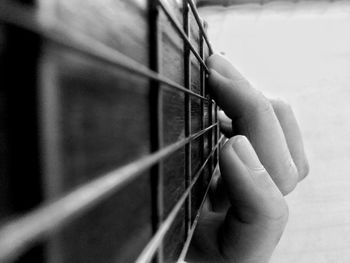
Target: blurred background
(300,51)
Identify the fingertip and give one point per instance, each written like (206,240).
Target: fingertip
(218,85)
(213,60)
(280,102)
(225,124)
(304,170)
(215,78)
(226,150)
(212,72)
(250,188)
(223,117)
(228,146)
(292,134)
(289,182)
(230,165)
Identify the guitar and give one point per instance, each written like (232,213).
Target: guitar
(124,135)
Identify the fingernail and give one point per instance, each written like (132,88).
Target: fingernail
(246,153)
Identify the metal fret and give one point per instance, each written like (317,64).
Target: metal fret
(156,107)
(176,25)
(80,43)
(200,25)
(187,77)
(195,221)
(19,234)
(157,239)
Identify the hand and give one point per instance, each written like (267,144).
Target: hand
(249,210)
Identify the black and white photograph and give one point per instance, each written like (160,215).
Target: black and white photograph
(174,131)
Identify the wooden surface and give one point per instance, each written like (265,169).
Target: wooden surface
(20,173)
(302,53)
(67,118)
(96,118)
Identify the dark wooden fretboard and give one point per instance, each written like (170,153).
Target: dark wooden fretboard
(108,136)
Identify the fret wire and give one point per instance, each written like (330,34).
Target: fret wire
(25,18)
(187,78)
(210,135)
(156,114)
(199,23)
(202,81)
(210,119)
(18,234)
(105,54)
(217,132)
(176,25)
(147,254)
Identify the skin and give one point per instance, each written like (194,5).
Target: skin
(263,160)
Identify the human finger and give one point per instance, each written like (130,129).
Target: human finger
(253,116)
(225,124)
(291,130)
(258,212)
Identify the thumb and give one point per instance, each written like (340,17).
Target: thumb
(258,213)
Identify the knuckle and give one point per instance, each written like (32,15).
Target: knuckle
(278,213)
(260,104)
(263,105)
(283,215)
